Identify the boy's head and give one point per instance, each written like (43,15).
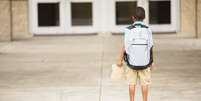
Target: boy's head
(139,14)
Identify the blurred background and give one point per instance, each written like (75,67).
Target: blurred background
(23,19)
(62,50)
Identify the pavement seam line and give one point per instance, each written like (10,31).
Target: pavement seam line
(101,70)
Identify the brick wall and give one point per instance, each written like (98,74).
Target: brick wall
(14,20)
(5,28)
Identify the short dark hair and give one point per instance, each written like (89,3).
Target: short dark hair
(139,14)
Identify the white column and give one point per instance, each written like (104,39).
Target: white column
(98,16)
(105,15)
(67,16)
(145,5)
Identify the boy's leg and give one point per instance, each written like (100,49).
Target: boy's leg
(145,90)
(132,80)
(132,92)
(145,80)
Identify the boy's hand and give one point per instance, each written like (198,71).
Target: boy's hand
(119,63)
(121,57)
(152,66)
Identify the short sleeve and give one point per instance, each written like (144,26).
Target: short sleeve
(126,33)
(150,38)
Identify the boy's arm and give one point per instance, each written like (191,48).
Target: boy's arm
(121,57)
(152,59)
(152,45)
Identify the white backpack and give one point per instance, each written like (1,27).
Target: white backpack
(137,47)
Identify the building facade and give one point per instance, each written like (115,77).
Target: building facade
(22,19)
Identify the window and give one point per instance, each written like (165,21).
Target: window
(92,16)
(124,11)
(81,14)
(48,14)
(160,12)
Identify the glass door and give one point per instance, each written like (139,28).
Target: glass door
(63,16)
(46,16)
(81,16)
(164,15)
(161,15)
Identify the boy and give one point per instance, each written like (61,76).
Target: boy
(144,75)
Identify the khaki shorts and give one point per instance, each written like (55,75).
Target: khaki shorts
(144,76)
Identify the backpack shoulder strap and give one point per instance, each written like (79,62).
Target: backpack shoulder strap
(141,25)
(130,27)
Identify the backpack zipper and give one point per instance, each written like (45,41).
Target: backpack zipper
(139,44)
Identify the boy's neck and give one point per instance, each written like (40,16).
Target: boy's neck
(138,21)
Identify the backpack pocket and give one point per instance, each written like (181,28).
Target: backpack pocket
(139,53)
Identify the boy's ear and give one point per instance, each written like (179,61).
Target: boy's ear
(133,18)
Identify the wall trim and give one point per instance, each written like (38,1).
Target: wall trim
(11,20)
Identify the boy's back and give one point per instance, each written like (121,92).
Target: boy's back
(138,42)
(134,36)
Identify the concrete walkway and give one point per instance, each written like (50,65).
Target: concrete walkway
(77,68)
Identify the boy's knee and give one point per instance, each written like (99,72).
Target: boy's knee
(131,86)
